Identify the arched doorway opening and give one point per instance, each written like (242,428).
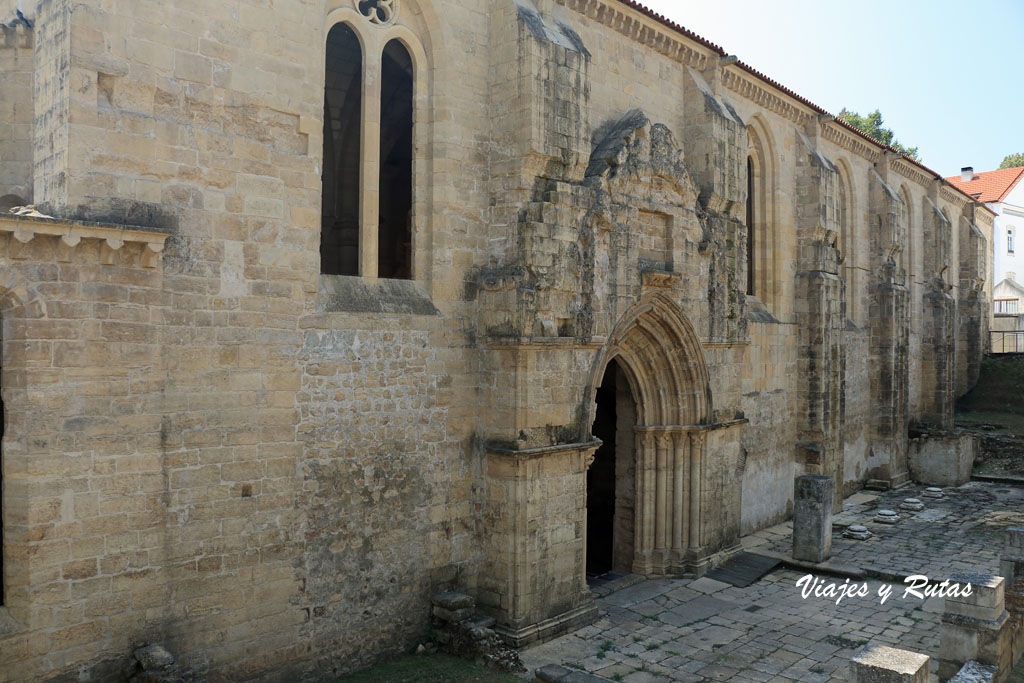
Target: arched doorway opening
(652,412)
(610,478)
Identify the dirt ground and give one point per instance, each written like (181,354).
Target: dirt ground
(1000,442)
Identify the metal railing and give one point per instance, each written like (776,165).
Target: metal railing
(1007,342)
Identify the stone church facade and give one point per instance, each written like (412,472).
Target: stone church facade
(334,304)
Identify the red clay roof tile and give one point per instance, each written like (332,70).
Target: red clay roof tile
(990,186)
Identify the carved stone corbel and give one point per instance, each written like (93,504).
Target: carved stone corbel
(109,249)
(151,254)
(17,248)
(66,247)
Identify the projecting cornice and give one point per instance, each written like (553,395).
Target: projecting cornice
(668,38)
(851,143)
(983,215)
(643,31)
(24,229)
(735,80)
(950,195)
(911,173)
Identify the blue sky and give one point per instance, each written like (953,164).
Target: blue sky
(947,76)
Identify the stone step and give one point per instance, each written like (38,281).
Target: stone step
(481,621)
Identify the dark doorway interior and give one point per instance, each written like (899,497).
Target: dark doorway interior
(601,480)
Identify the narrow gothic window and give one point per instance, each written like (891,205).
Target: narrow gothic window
(394,245)
(339,227)
(1009,240)
(750,226)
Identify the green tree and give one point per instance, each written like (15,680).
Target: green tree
(872,125)
(1013,160)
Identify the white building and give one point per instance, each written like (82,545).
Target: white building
(1003,192)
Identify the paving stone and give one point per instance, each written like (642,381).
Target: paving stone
(641,592)
(768,631)
(709,586)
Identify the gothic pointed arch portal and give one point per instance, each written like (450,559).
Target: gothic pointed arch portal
(653,430)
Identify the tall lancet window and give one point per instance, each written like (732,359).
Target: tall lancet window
(394,236)
(339,228)
(751,228)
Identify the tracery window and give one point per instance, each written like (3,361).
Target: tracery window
(369,102)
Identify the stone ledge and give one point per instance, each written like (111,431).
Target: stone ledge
(499,449)
(758,312)
(352,294)
(532,342)
(23,229)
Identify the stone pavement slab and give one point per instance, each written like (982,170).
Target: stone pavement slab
(703,630)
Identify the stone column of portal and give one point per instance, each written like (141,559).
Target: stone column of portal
(661,523)
(696,449)
(680,471)
(812,518)
(643,521)
(877,663)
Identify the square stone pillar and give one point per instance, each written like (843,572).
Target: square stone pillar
(881,664)
(1011,567)
(975,626)
(812,517)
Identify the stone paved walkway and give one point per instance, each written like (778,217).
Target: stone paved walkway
(958,533)
(704,630)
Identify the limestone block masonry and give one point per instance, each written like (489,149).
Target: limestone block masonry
(637,290)
(977,627)
(812,518)
(881,664)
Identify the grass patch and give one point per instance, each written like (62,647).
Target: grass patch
(840,641)
(436,668)
(999,387)
(1007,423)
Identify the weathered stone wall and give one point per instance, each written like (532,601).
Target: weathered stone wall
(192,451)
(17,66)
(209,444)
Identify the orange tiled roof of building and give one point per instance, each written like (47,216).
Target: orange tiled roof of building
(989,186)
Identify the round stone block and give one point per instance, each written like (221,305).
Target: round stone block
(857,532)
(886,517)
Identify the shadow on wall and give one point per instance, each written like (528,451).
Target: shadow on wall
(9,201)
